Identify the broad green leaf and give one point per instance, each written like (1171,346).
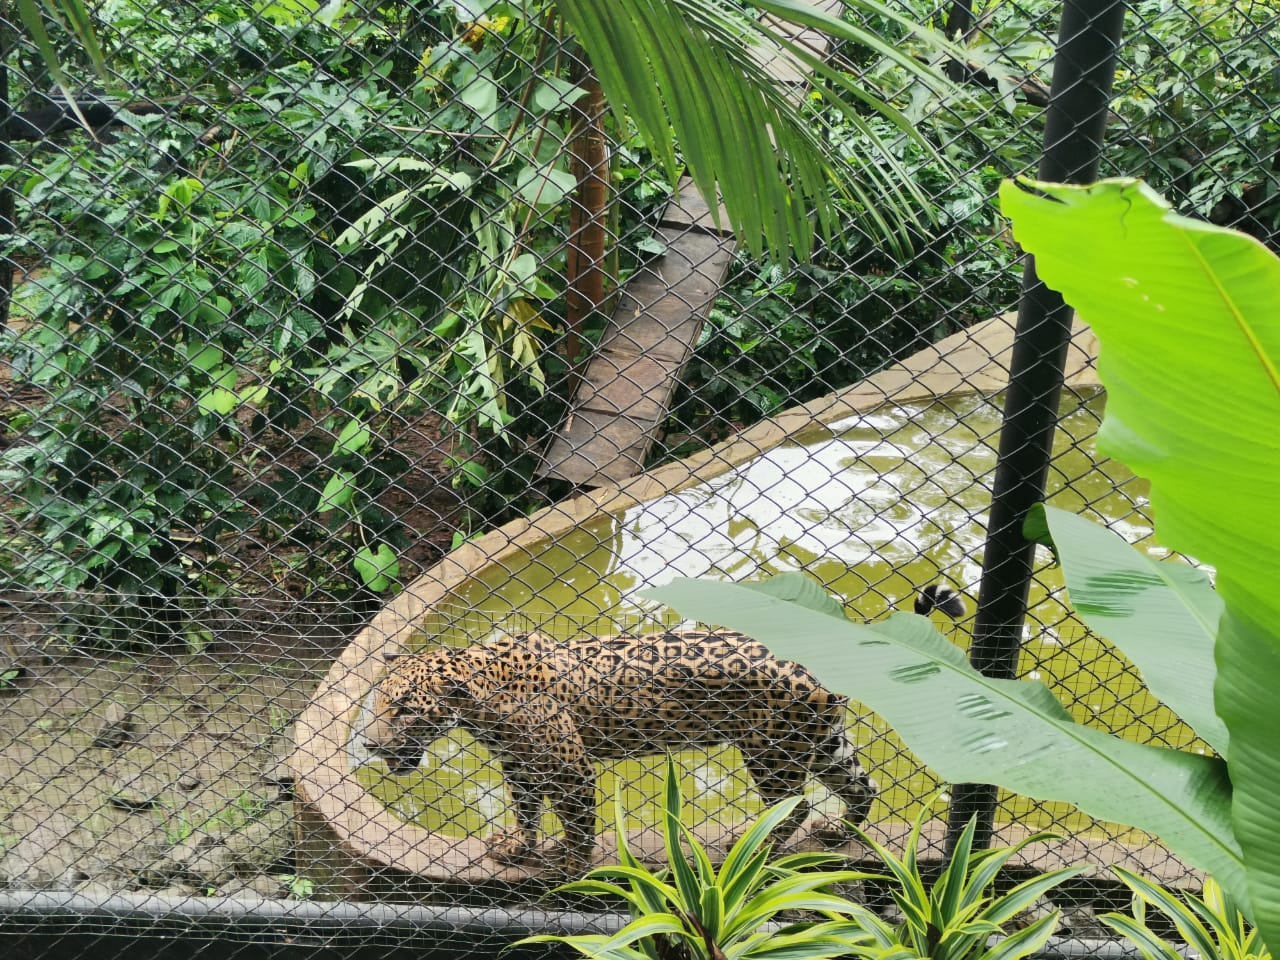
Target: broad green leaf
(254,394)
(355,436)
(1248,671)
(1190,354)
(802,589)
(480,93)
(971,728)
(218,400)
(221,398)
(1186,315)
(554,93)
(521,271)
(544,186)
(377,568)
(1162,614)
(337,491)
(204,357)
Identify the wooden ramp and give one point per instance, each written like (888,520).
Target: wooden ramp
(621,401)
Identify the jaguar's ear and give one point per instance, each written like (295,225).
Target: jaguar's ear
(391,656)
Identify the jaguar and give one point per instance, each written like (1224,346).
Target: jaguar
(548,710)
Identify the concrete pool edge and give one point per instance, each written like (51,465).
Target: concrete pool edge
(974,361)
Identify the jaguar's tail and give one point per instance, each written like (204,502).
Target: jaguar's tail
(940,597)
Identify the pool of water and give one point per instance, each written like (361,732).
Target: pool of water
(874,507)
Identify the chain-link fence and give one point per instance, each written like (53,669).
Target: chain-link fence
(354,328)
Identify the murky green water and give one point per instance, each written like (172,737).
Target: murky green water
(875,507)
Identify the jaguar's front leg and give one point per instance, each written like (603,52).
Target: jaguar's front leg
(573,799)
(519,845)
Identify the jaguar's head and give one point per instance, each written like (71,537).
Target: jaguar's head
(415,704)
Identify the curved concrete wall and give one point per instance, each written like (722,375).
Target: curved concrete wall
(975,360)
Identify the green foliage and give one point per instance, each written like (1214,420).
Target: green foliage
(1163,615)
(1211,924)
(780,335)
(741,138)
(692,911)
(1193,91)
(1190,103)
(195,316)
(300,888)
(178,315)
(954,917)
(328,261)
(1196,308)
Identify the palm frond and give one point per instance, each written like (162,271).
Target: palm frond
(693,77)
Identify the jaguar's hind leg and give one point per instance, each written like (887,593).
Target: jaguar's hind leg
(837,766)
(777,776)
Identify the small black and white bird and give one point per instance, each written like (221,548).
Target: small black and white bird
(940,597)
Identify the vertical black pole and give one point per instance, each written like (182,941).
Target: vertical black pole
(1083,70)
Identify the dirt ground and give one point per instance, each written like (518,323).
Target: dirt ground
(164,771)
(151,773)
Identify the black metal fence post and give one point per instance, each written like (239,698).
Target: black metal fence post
(1084,68)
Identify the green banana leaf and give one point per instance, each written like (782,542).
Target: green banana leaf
(970,728)
(1188,317)
(1163,615)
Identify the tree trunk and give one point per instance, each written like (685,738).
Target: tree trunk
(585,273)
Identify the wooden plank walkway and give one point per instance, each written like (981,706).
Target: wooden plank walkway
(621,400)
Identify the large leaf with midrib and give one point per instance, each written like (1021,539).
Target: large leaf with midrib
(1188,317)
(1162,614)
(971,728)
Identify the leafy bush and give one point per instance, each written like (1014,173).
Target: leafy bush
(1196,95)
(233,316)
(226,326)
(781,335)
(690,910)
(956,916)
(178,308)
(1211,924)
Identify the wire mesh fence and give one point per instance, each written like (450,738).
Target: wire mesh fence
(351,329)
